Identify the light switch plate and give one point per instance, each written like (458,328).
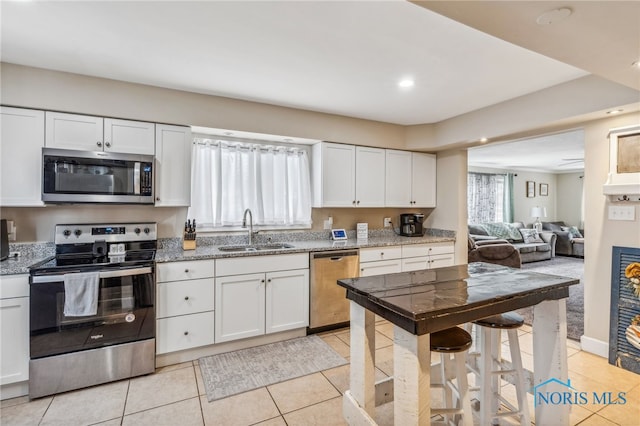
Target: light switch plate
(622,213)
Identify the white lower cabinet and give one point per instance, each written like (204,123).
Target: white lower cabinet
(380,260)
(427,256)
(185,305)
(261,295)
(14,320)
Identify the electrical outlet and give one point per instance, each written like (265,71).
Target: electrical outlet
(387,222)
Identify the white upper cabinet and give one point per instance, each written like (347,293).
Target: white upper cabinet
(370,176)
(410,179)
(90,133)
(173,166)
(348,176)
(334,175)
(21,142)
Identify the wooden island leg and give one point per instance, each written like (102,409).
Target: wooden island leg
(359,401)
(550,368)
(412,374)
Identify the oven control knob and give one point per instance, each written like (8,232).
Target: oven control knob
(66,232)
(137,230)
(77,232)
(147,230)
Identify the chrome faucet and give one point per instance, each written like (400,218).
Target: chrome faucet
(244,224)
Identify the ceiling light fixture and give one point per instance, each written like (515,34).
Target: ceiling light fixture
(484,140)
(406,83)
(553,16)
(636,64)
(615,111)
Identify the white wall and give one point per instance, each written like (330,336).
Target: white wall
(569,198)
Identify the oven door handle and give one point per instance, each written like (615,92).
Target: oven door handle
(107,274)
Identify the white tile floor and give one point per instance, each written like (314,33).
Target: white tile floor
(175,395)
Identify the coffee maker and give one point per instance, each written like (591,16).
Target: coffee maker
(411,224)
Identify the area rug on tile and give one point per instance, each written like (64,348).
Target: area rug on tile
(240,371)
(566,267)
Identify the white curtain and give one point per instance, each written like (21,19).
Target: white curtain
(228,177)
(486,198)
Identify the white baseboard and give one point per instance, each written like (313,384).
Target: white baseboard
(594,346)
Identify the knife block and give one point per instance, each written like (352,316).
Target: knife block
(189,241)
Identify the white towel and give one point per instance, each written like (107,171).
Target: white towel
(81,294)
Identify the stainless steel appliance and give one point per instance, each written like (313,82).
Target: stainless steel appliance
(411,224)
(96,177)
(329,307)
(92,307)
(4,239)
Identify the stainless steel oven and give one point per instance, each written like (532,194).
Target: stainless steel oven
(92,308)
(96,177)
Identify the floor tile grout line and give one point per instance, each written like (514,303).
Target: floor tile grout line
(46,410)
(126,398)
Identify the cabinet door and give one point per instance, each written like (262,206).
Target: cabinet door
(14,340)
(21,142)
(72,131)
(423,180)
(338,176)
(240,306)
(133,137)
(173,166)
(287,300)
(398,179)
(370,177)
(184,332)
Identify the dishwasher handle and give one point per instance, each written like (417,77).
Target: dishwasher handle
(333,255)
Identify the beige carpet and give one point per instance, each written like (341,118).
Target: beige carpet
(241,371)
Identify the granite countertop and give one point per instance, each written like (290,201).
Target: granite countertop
(208,248)
(434,299)
(176,254)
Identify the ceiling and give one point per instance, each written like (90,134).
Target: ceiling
(553,153)
(339,57)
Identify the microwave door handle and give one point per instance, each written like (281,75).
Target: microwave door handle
(136,178)
(42,279)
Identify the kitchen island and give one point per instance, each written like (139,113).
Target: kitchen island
(422,302)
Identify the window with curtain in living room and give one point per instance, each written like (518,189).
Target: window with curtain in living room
(489,197)
(228,177)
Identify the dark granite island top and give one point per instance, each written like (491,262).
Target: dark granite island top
(434,299)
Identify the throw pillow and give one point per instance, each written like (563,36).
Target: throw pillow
(573,231)
(530,236)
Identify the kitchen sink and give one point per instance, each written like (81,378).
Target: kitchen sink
(256,247)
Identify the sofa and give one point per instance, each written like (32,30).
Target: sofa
(533,246)
(500,252)
(570,239)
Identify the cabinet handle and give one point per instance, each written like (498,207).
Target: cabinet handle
(261,280)
(186,298)
(107,144)
(358,202)
(269,280)
(99,143)
(186,333)
(186,271)
(157,198)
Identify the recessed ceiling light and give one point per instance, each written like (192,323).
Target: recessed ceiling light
(406,83)
(615,111)
(553,16)
(636,64)
(483,140)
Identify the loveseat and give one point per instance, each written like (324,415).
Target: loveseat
(532,245)
(570,240)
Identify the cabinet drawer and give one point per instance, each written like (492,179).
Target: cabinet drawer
(261,264)
(380,253)
(415,263)
(14,286)
(193,269)
(441,260)
(184,332)
(368,269)
(185,297)
(415,250)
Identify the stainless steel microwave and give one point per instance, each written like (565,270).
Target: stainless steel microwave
(71,176)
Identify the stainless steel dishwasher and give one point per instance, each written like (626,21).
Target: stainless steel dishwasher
(329,307)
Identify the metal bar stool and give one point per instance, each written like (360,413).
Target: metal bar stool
(456,398)
(490,333)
